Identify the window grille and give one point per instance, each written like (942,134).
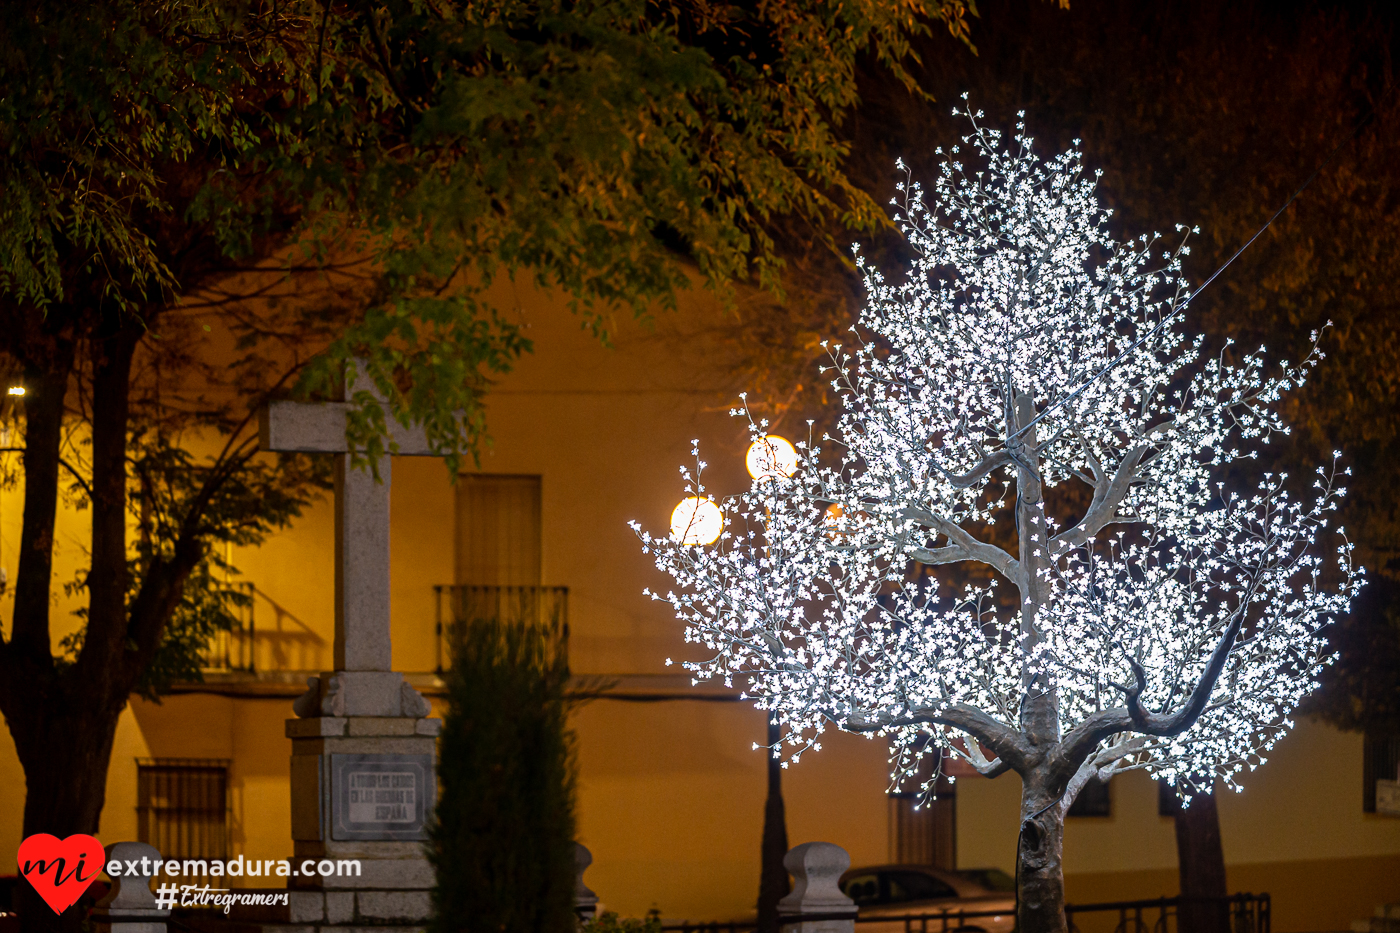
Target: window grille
(1381,759)
(927,834)
(182,807)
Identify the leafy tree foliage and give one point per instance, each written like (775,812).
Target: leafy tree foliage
(209,203)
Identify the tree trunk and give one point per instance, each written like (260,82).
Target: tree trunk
(63,718)
(1040,879)
(64,744)
(1201,860)
(773,883)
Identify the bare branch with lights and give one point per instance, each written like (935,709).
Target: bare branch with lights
(1172,626)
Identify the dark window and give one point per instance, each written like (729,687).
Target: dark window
(1381,761)
(1168,803)
(182,806)
(924,834)
(863,889)
(498,530)
(915,886)
(924,831)
(1093,800)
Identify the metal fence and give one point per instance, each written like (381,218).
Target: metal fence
(1248,913)
(544,606)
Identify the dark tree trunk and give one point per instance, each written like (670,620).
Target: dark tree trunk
(1040,882)
(63,718)
(1201,859)
(64,743)
(1040,879)
(773,882)
(29,646)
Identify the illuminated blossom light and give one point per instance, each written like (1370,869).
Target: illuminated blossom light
(1173,626)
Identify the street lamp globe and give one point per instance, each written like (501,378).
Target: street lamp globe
(696,521)
(771,455)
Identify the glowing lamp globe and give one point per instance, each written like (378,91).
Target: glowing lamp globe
(771,456)
(696,521)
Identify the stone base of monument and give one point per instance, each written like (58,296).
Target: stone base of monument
(363,788)
(364,783)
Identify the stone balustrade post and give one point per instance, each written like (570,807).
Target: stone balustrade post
(585,901)
(816,904)
(130,907)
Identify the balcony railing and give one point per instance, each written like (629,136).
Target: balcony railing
(232,650)
(544,606)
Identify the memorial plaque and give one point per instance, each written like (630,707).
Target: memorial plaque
(381,797)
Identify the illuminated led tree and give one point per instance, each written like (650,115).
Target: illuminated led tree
(1159,616)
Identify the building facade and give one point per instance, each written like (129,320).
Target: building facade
(584,438)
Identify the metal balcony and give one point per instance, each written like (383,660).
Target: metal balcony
(543,606)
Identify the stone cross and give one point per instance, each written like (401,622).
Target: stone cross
(362,645)
(363,760)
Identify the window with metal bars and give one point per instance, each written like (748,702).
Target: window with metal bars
(182,806)
(925,834)
(1380,761)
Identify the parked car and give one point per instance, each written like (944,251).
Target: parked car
(896,891)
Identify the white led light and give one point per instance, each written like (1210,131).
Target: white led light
(821,599)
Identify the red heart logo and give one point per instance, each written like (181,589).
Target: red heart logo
(60,869)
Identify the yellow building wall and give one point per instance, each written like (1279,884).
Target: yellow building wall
(671,793)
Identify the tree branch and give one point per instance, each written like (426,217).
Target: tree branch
(1134,717)
(999,459)
(1100,765)
(1108,495)
(108,578)
(972,752)
(1008,744)
(963,547)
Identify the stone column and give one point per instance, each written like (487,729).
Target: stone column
(816,904)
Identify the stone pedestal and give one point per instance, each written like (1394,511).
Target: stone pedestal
(363,787)
(129,906)
(816,904)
